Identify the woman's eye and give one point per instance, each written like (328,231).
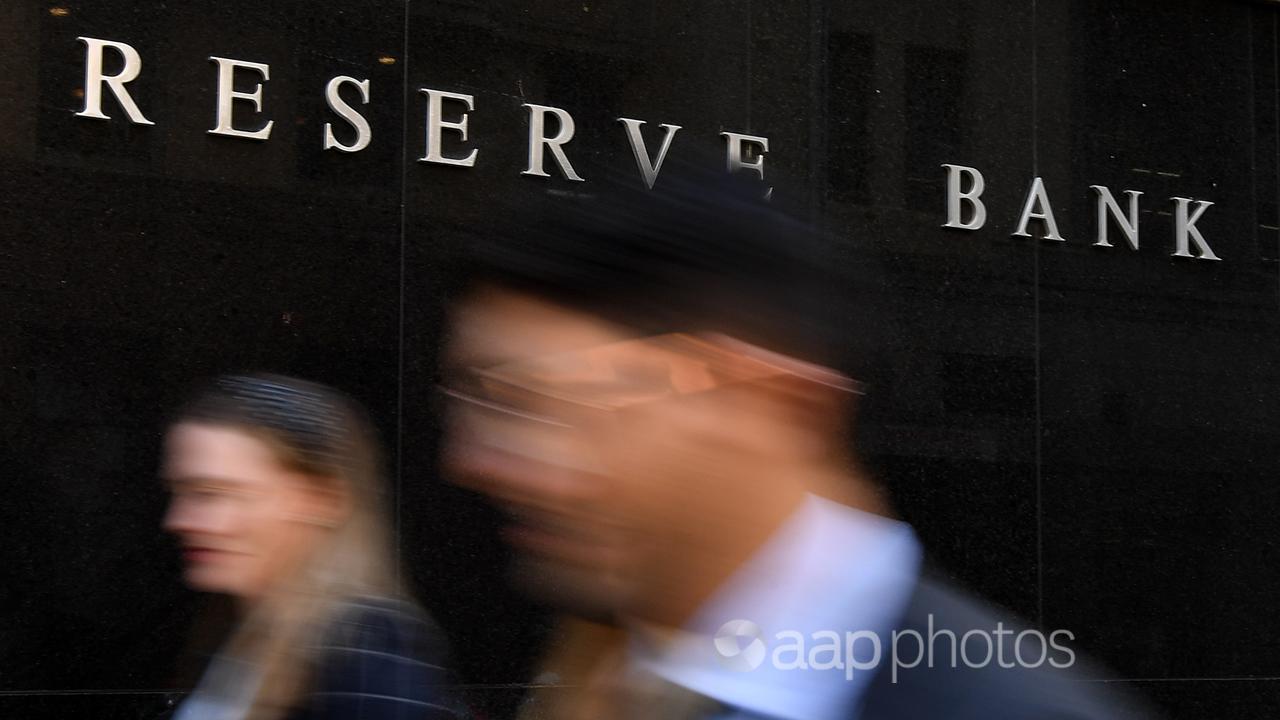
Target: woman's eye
(203,493)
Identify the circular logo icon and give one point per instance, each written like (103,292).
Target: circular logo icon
(740,645)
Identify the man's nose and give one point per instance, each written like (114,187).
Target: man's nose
(483,467)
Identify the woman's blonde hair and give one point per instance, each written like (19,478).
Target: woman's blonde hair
(326,437)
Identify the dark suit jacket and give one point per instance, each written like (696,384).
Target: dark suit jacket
(987,692)
(384,660)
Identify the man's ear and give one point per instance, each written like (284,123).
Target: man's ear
(815,417)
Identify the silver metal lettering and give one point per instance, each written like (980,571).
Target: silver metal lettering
(436,124)
(957,196)
(94,79)
(1107,206)
(538,141)
(348,113)
(733,157)
(227,95)
(1184,229)
(1038,198)
(734,154)
(648,169)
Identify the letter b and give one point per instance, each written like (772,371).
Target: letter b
(956,197)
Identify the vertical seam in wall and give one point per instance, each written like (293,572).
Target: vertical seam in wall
(1275,124)
(751,79)
(404,174)
(818,81)
(1035,262)
(1253,133)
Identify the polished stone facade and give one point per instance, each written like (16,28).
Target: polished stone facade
(1088,435)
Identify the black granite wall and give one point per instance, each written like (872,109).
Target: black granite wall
(1088,435)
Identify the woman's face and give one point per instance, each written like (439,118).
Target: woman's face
(243,519)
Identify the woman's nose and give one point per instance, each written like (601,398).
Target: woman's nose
(181,518)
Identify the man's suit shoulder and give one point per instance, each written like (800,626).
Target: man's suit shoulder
(952,656)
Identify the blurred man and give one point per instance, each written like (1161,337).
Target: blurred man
(647,384)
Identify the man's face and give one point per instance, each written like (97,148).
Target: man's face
(625,464)
(603,490)
(545,463)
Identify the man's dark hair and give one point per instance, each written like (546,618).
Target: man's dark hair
(702,251)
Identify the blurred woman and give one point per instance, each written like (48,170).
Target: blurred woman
(277,503)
